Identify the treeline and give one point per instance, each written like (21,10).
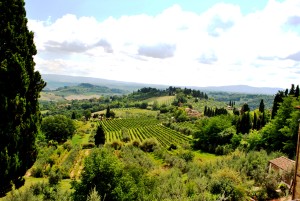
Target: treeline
(247,129)
(149,92)
(210,112)
(86,88)
(238,99)
(78,108)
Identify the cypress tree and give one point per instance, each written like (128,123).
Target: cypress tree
(107,114)
(255,122)
(100,136)
(262,106)
(297,92)
(276,103)
(292,90)
(20,86)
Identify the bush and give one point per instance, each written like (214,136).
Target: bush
(67,145)
(172,146)
(38,188)
(54,177)
(148,145)
(186,155)
(88,145)
(117,145)
(37,171)
(135,143)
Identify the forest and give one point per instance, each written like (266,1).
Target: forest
(106,143)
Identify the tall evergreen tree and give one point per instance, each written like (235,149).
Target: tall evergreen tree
(276,103)
(292,90)
(245,108)
(255,122)
(244,123)
(262,106)
(107,114)
(297,92)
(286,92)
(20,87)
(100,136)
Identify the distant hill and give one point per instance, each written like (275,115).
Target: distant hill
(245,89)
(87,89)
(55,81)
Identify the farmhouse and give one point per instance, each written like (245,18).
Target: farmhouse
(283,166)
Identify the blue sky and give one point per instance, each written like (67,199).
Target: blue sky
(190,43)
(102,9)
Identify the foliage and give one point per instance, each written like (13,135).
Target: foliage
(100,136)
(214,131)
(20,87)
(58,128)
(148,145)
(281,133)
(39,191)
(104,172)
(94,196)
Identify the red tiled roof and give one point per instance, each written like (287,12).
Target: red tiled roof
(283,163)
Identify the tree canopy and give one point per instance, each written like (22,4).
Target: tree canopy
(58,128)
(20,86)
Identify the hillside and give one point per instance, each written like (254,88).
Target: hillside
(79,92)
(158,139)
(242,89)
(55,81)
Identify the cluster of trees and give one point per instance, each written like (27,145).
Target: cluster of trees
(231,103)
(258,129)
(238,99)
(149,92)
(188,92)
(210,112)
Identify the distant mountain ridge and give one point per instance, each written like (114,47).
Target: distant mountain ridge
(55,81)
(243,89)
(87,89)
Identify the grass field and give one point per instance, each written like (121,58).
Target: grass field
(167,100)
(203,157)
(130,112)
(46,96)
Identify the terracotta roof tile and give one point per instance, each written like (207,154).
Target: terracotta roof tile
(283,163)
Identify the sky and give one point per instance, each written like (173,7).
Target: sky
(182,43)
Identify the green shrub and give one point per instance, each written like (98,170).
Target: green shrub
(54,177)
(88,145)
(148,145)
(186,155)
(172,146)
(37,171)
(38,188)
(117,145)
(67,145)
(135,143)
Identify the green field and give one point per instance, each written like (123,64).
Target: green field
(130,112)
(166,100)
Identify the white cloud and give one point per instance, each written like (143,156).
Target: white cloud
(218,47)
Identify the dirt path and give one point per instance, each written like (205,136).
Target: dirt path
(78,167)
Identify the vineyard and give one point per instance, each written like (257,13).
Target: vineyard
(141,129)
